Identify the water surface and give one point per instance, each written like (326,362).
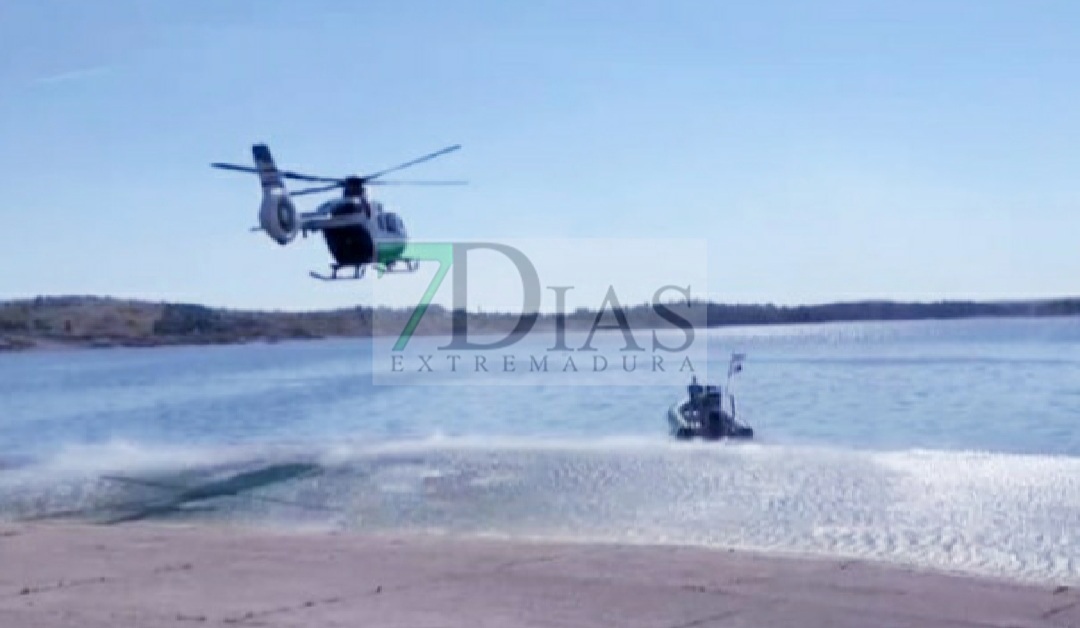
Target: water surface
(945,444)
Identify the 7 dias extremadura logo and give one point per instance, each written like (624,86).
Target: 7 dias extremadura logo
(547,312)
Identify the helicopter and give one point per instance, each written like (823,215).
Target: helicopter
(358,232)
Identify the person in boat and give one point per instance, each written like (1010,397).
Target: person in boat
(704,414)
(695,389)
(707,410)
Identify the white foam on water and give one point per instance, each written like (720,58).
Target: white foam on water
(1013,516)
(992,514)
(130,456)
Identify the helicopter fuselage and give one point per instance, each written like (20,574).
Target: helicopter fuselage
(357,231)
(361,232)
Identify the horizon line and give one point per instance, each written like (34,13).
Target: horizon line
(480,311)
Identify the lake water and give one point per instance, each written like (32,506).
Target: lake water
(953,445)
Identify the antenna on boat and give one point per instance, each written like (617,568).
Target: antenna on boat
(734,367)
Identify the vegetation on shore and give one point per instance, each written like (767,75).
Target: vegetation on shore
(102,322)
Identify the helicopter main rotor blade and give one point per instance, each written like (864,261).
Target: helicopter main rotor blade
(448,149)
(307,177)
(418,182)
(321,188)
(284,173)
(235,167)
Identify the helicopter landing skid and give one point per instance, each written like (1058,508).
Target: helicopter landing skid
(358,273)
(410,266)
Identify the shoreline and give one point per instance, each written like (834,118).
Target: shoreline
(152,574)
(88,322)
(11,344)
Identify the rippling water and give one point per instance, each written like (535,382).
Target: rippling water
(944,444)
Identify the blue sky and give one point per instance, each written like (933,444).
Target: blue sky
(826,151)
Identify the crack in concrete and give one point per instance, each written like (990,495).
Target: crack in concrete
(281,610)
(707,619)
(81,582)
(847,608)
(61,584)
(173,568)
(1057,610)
(512,564)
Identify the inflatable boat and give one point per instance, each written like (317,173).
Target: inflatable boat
(702,413)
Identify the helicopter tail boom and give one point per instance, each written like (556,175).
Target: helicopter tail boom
(277,214)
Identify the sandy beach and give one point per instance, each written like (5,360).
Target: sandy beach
(155,575)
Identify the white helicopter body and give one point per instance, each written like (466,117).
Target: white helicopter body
(358,232)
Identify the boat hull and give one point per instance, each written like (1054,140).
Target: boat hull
(682,427)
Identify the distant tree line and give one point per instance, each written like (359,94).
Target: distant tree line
(719,314)
(101,321)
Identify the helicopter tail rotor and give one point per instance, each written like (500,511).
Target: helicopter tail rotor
(277,214)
